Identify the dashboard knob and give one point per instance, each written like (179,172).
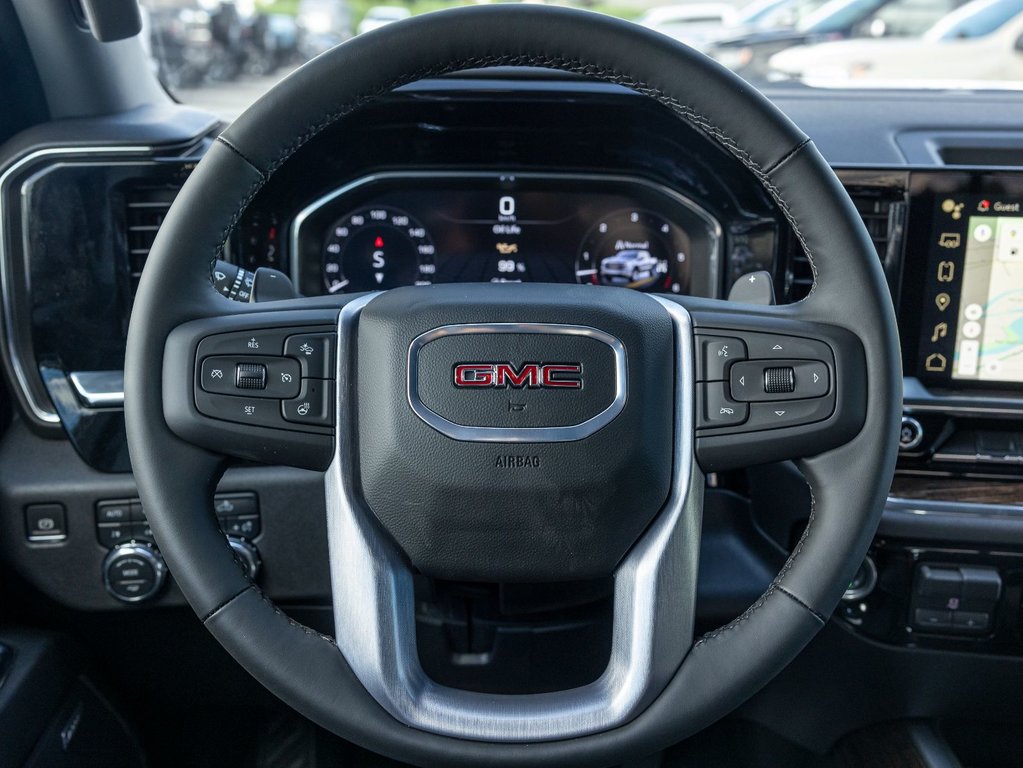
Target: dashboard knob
(247,554)
(863,582)
(133,572)
(911,434)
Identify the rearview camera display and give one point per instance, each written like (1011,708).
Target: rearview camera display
(989,331)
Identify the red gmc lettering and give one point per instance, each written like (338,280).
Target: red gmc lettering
(474,375)
(558,376)
(500,375)
(505,375)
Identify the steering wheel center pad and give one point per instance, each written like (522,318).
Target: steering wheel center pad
(541,446)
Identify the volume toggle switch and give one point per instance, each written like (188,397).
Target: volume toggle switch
(779,380)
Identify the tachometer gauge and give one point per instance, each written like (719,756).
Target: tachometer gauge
(635,249)
(376,248)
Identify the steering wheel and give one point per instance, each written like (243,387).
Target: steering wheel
(402,397)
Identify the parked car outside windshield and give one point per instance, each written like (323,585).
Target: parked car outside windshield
(976,45)
(221,55)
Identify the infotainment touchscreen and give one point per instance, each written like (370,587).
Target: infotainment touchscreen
(972,321)
(989,327)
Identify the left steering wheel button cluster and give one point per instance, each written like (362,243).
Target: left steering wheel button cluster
(277,377)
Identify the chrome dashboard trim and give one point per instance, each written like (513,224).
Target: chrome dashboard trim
(557,434)
(918,399)
(654,594)
(42,412)
(300,218)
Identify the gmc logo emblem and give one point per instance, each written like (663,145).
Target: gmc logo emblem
(532,375)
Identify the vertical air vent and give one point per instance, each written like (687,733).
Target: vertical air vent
(883,210)
(147,207)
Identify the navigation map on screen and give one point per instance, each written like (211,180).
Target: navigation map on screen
(989,334)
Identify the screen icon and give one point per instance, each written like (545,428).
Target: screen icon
(949,240)
(952,208)
(936,363)
(946,271)
(942,300)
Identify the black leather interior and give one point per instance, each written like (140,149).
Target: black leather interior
(848,484)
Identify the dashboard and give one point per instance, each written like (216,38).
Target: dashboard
(557,182)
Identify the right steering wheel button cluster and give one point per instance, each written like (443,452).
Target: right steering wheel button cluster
(755,381)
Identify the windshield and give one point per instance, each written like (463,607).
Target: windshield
(221,55)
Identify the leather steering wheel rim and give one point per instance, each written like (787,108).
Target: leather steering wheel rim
(849,484)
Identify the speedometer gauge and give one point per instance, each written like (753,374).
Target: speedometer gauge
(376,248)
(636,249)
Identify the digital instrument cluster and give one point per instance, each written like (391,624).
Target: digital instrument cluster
(397,229)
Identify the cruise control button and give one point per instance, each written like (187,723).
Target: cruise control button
(788,413)
(314,404)
(715,354)
(268,341)
(314,352)
(716,409)
(258,412)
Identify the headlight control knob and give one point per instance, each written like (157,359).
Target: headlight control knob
(247,554)
(133,573)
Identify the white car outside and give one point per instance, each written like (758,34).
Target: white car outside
(695,25)
(382,15)
(979,41)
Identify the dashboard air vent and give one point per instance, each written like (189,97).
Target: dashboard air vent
(883,210)
(147,207)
